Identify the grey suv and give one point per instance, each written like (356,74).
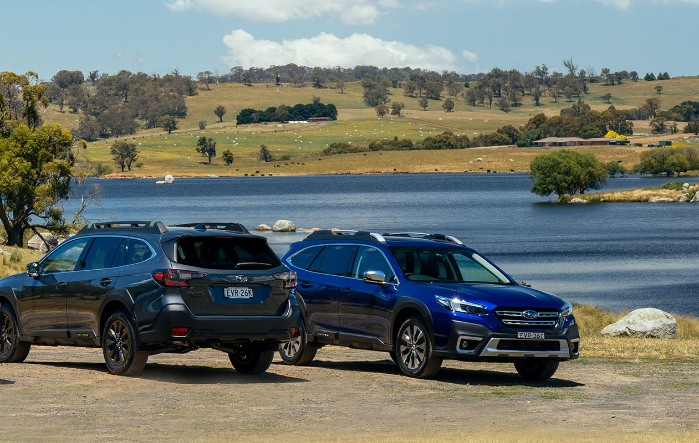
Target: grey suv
(141,288)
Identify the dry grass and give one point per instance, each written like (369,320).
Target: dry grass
(14,260)
(592,320)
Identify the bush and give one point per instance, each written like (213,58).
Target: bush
(202,124)
(566,172)
(344,148)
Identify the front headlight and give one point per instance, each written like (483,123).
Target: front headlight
(566,309)
(456,305)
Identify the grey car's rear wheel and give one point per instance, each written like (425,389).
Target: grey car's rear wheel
(298,351)
(251,361)
(536,369)
(11,349)
(413,350)
(120,346)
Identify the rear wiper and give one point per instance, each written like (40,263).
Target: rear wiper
(253,265)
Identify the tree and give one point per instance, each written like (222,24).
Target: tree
(227,157)
(658,125)
(566,172)
(265,155)
(124,154)
(205,77)
(206,147)
(536,95)
(168,123)
(667,161)
(614,168)
(504,105)
(423,103)
(607,98)
(448,105)
(692,127)
(397,108)
(220,111)
(381,110)
(35,174)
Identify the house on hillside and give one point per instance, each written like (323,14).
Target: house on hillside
(576,141)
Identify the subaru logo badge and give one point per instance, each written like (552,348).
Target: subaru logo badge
(530,315)
(241,278)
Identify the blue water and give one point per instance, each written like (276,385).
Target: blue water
(618,256)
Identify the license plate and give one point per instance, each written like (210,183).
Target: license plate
(531,335)
(237,292)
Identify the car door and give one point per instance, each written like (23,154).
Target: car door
(365,307)
(93,279)
(320,284)
(42,302)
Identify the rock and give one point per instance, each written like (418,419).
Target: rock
(695,199)
(578,201)
(4,252)
(685,185)
(684,198)
(263,227)
(660,200)
(646,322)
(284,226)
(38,244)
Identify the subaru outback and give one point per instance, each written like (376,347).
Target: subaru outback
(141,288)
(422,298)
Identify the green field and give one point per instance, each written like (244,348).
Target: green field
(357,123)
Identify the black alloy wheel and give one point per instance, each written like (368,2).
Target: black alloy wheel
(120,348)
(413,349)
(11,349)
(251,361)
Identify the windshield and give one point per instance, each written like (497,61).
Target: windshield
(446,265)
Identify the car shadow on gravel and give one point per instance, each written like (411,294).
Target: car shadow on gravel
(183,374)
(477,377)
(6,382)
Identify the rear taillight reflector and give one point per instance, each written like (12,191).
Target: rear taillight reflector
(179,332)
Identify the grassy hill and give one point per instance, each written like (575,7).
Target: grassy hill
(175,154)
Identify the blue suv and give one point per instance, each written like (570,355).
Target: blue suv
(422,298)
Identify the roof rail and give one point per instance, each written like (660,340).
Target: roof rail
(231,227)
(157,227)
(334,234)
(438,237)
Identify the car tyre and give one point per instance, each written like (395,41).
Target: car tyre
(536,369)
(120,346)
(12,350)
(298,351)
(413,349)
(250,361)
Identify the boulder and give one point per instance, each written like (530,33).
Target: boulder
(646,322)
(263,227)
(695,199)
(660,200)
(284,226)
(684,198)
(38,244)
(578,201)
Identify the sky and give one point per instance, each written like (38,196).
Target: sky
(466,36)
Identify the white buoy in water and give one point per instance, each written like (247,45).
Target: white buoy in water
(169,179)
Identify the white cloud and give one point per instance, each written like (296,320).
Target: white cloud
(277,11)
(470,56)
(327,50)
(621,4)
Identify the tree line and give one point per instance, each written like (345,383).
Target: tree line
(284,113)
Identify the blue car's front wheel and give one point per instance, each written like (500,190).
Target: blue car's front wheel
(413,349)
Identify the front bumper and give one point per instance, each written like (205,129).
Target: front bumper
(469,341)
(210,331)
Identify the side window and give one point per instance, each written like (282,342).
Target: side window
(336,260)
(137,251)
(101,253)
(371,259)
(304,258)
(65,257)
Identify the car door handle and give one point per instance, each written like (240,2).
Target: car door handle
(61,286)
(305,284)
(345,290)
(106,281)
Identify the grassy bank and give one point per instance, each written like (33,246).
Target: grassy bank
(671,190)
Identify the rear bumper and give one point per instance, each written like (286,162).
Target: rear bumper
(475,342)
(207,330)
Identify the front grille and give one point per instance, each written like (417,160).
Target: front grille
(516,318)
(529,345)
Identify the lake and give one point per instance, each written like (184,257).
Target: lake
(618,256)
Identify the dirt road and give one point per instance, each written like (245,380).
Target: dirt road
(346,395)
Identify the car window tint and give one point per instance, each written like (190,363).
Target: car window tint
(137,251)
(120,255)
(101,253)
(226,253)
(336,259)
(65,257)
(371,259)
(304,258)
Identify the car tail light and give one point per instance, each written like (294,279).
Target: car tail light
(179,332)
(288,277)
(175,277)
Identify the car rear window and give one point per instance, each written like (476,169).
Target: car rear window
(225,253)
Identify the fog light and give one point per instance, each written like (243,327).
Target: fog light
(464,345)
(179,332)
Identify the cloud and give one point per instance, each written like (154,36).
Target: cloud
(327,50)
(278,11)
(621,4)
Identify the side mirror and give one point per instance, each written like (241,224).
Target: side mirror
(375,277)
(33,269)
